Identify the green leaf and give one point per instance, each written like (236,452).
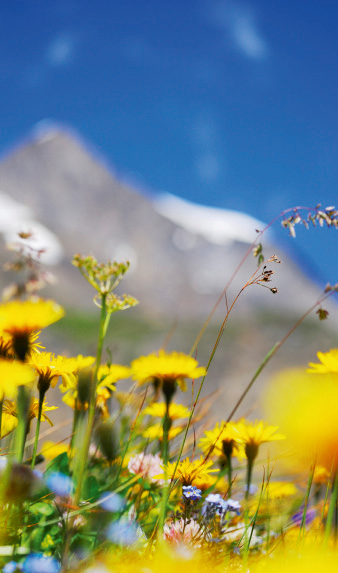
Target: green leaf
(41,509)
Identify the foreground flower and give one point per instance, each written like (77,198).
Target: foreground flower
(49,367)
(310,418)
(21,318)
(12,375)
(329,363)
(38,563)
(166,370)
(59,483)
(195,472)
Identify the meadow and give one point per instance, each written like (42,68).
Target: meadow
(145,478)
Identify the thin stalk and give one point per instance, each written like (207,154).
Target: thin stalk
(332,509)
(229,472)
(37,430)
(247,253)
(306,501)
(165,442)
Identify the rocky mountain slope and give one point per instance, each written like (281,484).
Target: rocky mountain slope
(181,255)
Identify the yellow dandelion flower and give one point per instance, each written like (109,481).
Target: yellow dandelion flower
(221,441)
(49,367)
(280,489)
(158,410)
(306,407)
(329,363)
(51,450)
(190,472)
(34,411)
(253,434)
(21,318)
(166,371)
(9,419)
(155,432)
(12,375)
(108,375)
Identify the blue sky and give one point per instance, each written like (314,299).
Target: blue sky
(227,103)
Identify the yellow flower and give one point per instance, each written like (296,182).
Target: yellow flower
(253,434)
(306,407)
(108,375)
(21,318)
(166,371)
(329,363)
(34,411)
(158,409)
(12,375)
(221,441)
(51,450)
(155,432)
(9,420)
(279,489)
(49,367)
(190,472)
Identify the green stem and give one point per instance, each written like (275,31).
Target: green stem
(82,463)
(165,442)
(229,471)
(37,431)
(306,501)
(248,478)
(21,430)
(332,509)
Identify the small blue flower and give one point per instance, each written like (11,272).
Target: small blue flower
(122,533)
(111,501)
(38,563)
(222,506)
(11,567)
(191,492)
(59,483)
(233,505)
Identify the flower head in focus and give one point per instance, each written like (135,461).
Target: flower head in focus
(49,367)
(166,371)
(195,472)
(191,493)
(221,441)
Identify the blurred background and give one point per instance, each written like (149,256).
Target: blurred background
(166,133)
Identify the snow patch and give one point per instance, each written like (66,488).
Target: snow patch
(218,226)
